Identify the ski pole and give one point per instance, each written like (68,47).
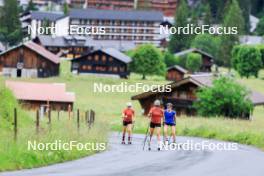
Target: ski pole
(146,136)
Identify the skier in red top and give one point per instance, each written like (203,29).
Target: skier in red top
(156,118)
(128,119)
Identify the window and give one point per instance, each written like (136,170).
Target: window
(96,57)
(115,69)
(104,58)
(122,69)
(84,67)
(110,59)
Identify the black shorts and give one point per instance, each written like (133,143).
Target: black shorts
(154,125)
(170,124)
(125,123)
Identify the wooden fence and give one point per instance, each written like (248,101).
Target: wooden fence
(89,119)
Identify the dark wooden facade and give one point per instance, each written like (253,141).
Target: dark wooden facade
(56,106)
(99,62)
(24,58)
(175,73)
(182,96)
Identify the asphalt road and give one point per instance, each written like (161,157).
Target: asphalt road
(131,160)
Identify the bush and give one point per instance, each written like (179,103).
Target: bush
(194,62)
(246,60)
(170,59)
(261,49)
(225,98)
(7,104)
(148,60)
(207,43)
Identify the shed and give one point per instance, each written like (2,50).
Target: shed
(32,96)
(29,60)
(104,62)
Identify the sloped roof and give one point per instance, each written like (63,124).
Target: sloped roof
(42,51)
(203,80)
(117,54)
(54,92)
(61,41)
(111,52)
(38,49)
(47,40)
(129,15)
(182,53)
(2,48)
(51,16)
(179,68)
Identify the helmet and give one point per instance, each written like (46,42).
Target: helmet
(129,104)
(157,103)
(169,104)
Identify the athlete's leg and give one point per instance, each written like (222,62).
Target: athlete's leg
(165,132)
(129,131)
(151,132)
(124,133)
(173,133)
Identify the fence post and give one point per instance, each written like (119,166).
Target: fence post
(90,119)
(78,118)
(86,114)
(58,115)
(49,116)
(15,124)
(37,121)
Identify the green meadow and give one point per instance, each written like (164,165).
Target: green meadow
(108,108)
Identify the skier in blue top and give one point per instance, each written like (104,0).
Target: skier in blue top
(170,120)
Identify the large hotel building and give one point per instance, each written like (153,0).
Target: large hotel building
(168,7)
(131,25)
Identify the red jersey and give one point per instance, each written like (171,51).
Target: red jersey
(129,113)
(156,113)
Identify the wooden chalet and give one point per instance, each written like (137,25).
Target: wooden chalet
(175,73)
(67,46)
(33,96)
(183,95)
(104,62)
(207,59)
(29,60)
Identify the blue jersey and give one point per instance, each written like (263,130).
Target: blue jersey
(169,116)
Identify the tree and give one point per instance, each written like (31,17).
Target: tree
(65,8)
(170,59)
(245,6)
(217,8)
(261,49)
(225,98)
(207,15)
(206,43)
(10,26)
(147,60)
(233,18)
(180,41)
(194,62)
(246,60)
(31,6)
(260,27)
